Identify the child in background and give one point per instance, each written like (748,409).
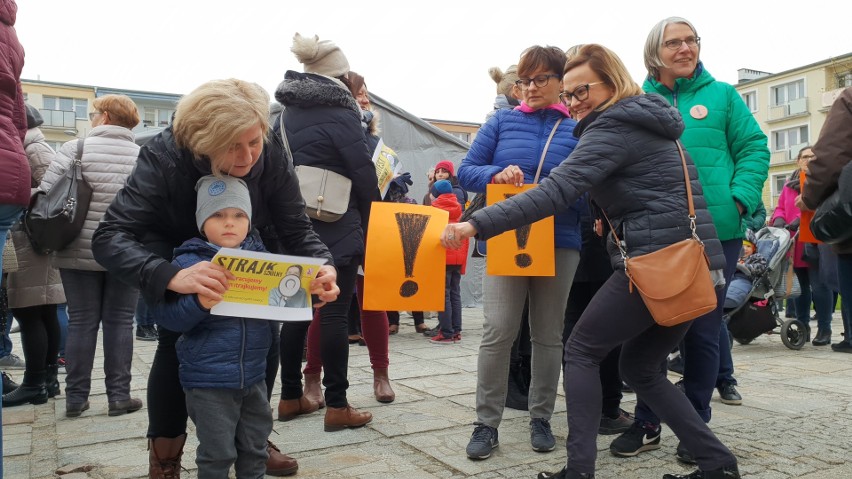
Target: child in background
(444,170)
(450,320)
(222,358)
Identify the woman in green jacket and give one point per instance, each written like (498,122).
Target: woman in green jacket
(730,151)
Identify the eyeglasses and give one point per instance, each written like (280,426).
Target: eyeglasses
(92,115)
(580,93)
(675,44)
(540,81)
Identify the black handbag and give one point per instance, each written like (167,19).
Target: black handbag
(832,221)
(55,218)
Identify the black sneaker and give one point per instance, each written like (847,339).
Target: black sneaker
(842,347)
(728,394)
(566,473)
(727,472)
(642,436)
(616,425)
(146,333)
(9,384)
(683,455)
(541,437)
(482,442)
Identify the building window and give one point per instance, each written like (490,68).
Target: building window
(844,79)
(778,182)
(750,100)
(783,94)
(461,135)
(79,106)
(789,138)
(156,117)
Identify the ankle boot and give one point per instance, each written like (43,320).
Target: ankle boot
(313,389)
(339,418)
(51,382)
(290,408)
(164,457)
(30,391)
(382,387)
(823,338)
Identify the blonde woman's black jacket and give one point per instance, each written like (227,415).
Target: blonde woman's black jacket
(155,213)
(323,125)
(627,159)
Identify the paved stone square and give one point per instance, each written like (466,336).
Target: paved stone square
(795,421)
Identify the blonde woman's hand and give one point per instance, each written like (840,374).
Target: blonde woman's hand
(511,175)
(455,233)
(325,285)
(203,278)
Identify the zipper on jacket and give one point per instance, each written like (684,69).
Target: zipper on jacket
(242,354)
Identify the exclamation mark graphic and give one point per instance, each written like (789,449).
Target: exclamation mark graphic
(522,235)
(411,228)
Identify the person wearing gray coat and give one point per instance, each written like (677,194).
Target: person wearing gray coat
(34,291)
(95,296)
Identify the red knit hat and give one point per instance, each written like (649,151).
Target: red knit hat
(447,165)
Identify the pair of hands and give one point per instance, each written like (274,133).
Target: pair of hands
(209,282)
(455,233)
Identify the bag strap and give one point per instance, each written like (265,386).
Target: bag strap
(80,149)
(544,153)
(690,204)
(284,134)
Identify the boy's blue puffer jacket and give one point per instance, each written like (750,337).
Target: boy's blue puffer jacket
(221,352)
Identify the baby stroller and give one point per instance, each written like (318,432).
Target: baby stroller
(750,308)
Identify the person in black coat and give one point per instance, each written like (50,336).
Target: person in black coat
(322,123)
(627,158)
(220,127)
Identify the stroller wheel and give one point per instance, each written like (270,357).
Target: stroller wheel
(794,334)
(744,341)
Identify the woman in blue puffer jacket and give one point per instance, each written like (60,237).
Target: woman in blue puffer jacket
(508,149)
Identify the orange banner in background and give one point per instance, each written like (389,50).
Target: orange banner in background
(404,268)
(805,235)
(526,251)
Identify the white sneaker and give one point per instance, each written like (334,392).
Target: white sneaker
(12,361)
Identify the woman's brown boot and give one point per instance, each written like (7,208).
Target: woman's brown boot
(313,389)
(164,455)
(382,387)
(290,408)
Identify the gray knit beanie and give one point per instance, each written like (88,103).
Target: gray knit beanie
(215,193)
(323,57)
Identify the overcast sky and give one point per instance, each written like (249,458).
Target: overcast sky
(428,57)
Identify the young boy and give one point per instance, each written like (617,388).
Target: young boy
(450,319)
(222,358)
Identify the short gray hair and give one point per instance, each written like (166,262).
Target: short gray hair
(655,41)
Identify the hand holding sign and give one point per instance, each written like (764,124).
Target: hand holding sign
(526,251)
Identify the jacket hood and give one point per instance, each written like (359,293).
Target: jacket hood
(649,112)
(307,90)
(202,248)
(8,12)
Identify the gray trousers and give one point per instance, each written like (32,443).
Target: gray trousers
(98,298)
(232,426)
(503,304)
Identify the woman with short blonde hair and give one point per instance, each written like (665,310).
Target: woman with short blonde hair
(120,109)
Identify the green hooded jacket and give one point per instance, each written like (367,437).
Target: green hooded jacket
(725,143)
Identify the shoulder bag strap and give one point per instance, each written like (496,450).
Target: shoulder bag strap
(544,153)
(689,202)
(80,149)
(284,135)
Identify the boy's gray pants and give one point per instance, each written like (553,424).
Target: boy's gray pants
(232,426)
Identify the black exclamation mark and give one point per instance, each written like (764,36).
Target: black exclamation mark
(522,235)
(411,227)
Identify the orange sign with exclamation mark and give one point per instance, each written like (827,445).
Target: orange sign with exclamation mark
(404,268)
(526,251)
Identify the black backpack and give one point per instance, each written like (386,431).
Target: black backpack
(55,218)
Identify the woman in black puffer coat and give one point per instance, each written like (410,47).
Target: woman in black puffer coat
(322,122)
(627,159)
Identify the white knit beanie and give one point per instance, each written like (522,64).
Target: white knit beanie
(322,57)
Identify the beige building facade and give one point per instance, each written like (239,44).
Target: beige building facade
(791,108)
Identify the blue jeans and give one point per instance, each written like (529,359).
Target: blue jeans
(844,270)
(450,319)
(143,316)
(9,215)
(62,317)
(701,350)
